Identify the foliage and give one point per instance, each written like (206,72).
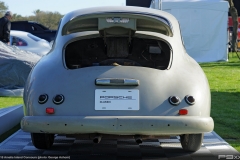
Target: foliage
(3,8)
(46,18)
(17,17)
(10,101)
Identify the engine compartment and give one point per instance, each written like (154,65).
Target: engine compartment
(118,51)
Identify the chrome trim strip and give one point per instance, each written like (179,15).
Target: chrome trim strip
(116,82)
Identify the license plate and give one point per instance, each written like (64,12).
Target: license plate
(116,99)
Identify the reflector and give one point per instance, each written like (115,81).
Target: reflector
(50,110)
(183,111)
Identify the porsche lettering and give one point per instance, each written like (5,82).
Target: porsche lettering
(115,97)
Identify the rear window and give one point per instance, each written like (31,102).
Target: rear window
(35,38)
(18,26)
(43,27)
(16,41)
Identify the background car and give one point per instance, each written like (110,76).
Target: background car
(34,28)
(27,41)
(117,72)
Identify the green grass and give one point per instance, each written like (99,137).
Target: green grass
(224,81)
(10,101)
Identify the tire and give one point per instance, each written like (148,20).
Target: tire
(191,142)
(42,140)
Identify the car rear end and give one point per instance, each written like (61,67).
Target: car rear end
(118,73)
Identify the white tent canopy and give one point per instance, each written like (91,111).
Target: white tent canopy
(203,25)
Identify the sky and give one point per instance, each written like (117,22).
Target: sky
(26,7)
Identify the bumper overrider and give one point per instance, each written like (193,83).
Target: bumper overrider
(118,125)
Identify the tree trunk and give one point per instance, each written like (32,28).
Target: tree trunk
(234,15)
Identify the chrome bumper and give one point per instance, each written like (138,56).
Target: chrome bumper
(120,125)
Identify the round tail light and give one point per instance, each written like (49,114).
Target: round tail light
(190,100)
(42,98)
(174,100)
(58,99)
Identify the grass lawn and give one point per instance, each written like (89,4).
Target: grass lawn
(224,81)
(10,101)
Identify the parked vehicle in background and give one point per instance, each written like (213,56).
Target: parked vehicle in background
(27,41)
(117,72)
(35,28)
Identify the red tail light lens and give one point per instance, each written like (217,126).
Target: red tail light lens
(50,110)
(183,112)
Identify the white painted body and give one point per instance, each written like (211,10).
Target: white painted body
(155,115)
(35,45)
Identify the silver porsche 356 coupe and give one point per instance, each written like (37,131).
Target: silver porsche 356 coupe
(118,72)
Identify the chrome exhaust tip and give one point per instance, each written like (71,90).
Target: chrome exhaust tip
(138,139)
(97,139)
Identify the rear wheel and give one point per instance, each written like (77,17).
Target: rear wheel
(42,140)
(191,142)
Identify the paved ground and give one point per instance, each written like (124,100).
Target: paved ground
(20,146)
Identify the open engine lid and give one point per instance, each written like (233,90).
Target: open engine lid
(109,24)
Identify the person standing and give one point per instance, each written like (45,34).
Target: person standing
(5,27)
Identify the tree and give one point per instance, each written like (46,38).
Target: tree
(3,8)
(234,14)
(51,19)
(37,14)
(17,17)
(46,18)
